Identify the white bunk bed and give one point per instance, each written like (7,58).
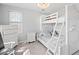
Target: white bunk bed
(46,37)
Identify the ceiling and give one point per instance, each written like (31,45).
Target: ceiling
(53,7)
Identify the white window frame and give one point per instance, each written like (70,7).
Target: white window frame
(17,15)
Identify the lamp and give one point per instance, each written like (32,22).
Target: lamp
(43,6)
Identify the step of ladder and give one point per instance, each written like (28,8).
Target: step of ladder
(49,52)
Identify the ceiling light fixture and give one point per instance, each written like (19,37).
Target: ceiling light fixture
(43,6)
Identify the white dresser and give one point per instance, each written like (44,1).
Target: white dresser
(9,34)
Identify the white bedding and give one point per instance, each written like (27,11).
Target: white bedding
(45,36)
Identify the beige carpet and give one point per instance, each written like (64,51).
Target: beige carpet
(36,48)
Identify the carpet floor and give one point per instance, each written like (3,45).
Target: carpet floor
(36,48)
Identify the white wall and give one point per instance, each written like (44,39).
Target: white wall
(3,19)
(73,29)
(31,20)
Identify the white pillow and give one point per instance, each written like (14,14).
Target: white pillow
(45,34)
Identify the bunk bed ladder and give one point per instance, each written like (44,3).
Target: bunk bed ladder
(54,41)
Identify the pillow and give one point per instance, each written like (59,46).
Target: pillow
(45,34)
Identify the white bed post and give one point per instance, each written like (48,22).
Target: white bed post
(66,18)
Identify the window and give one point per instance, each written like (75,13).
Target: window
(15,18)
